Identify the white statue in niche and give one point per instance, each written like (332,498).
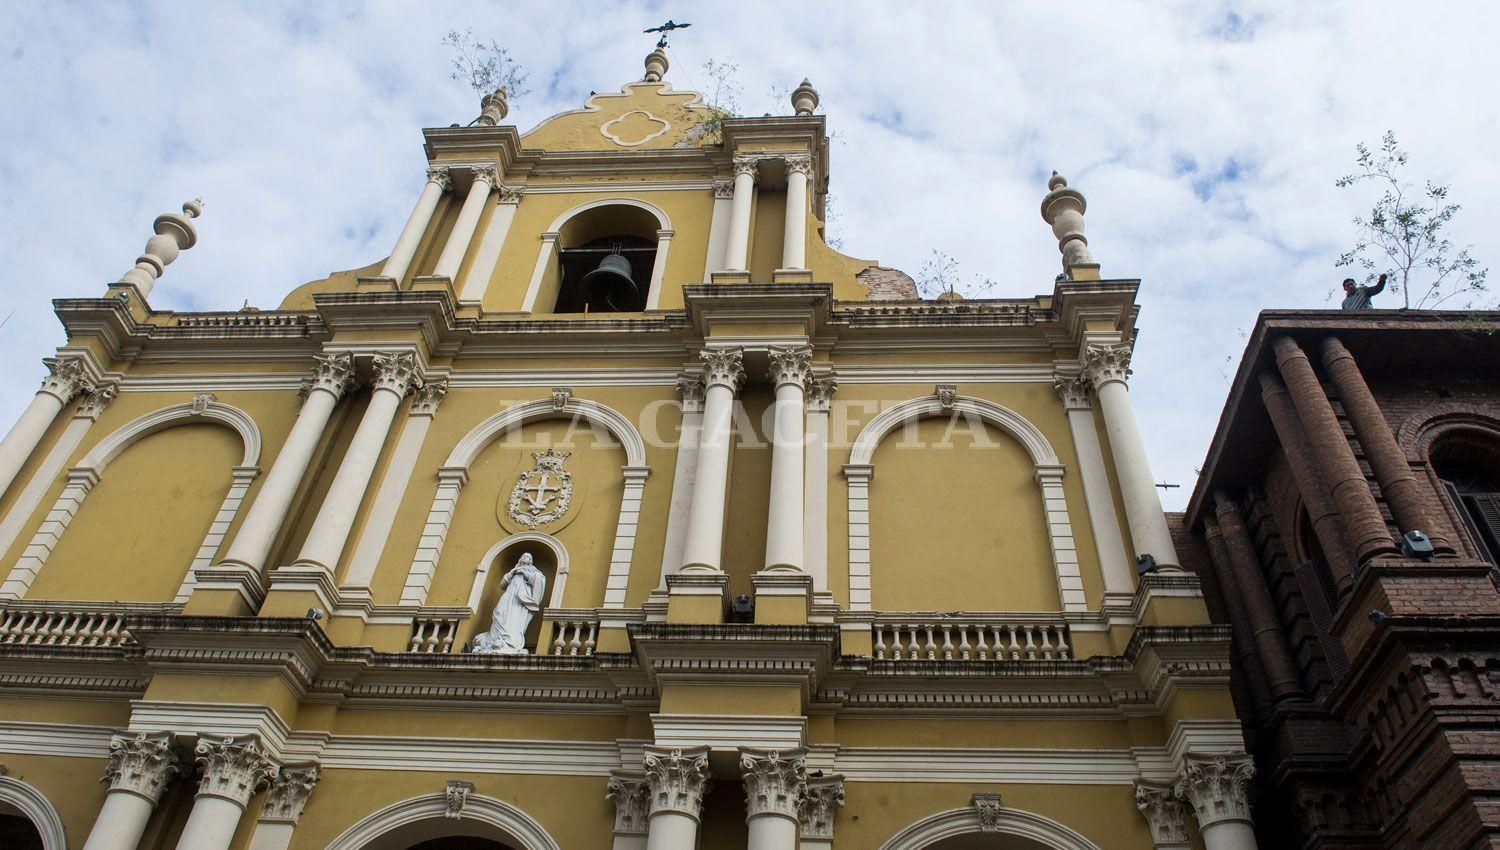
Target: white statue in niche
(523,587)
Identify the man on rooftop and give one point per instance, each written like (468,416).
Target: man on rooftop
(1358,297)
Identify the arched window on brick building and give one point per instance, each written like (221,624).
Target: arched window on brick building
(1475,492)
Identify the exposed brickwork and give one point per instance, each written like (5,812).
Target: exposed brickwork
(888,284)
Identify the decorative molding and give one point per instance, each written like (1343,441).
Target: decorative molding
(631,795)
(1164,812)
(97,399)
(773,781)
(233,768)
(142,764)
(289,792)
(822,797)
(987,810)
(799,164)
(516,416)
(790,365)
(723,367)
(201,402)
(604,129)
(488,173)
(67,376)
(692,389)
(441,175)
(531,501)
(1218,786)
(954,822)
(428,397)
(512,194)
(1073,390)
(723,190)
(515,826)
(746,164)
(1103,364)
(678,779)
(456,796)
(395,371)
(946,395)
(333,373)
(820,391)
(35,807)
(560,396)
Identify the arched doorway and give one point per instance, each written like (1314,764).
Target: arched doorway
(17,832)
(423,823)
(987,841)
(460,842)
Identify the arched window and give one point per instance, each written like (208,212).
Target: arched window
(1475,492)
(605,260)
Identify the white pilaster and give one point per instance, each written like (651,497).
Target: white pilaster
(692,389)
(539,271)
(52,465)
(822,797)
(659,268)
(1218,785)
(485,178)
(784,529)
(723,374)
(488,253)
(65,379)
(240,479)
(285,800)
(820,392)
(80,481)
(1105,523)
(140,768)
(394,484)
(737,247)
(773,790)
(1165,815)
(438,182)
(857,476)
(718,227)
(631,795)
(1107,368)
(451,481)
(394,376)
(233,769)
(678,779)
(794,239)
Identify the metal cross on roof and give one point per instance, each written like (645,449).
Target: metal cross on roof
(665,30)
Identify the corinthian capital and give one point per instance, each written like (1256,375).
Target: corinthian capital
(97,399)
(631,795)
(1218,786)
(440,175)
(773,781)
(723,189)
(745,163)
(487,174)
(396,372)
(142,764)
(692,389)
(66,377)
(723,366)
(820,391)
(428,397)
(233,768)
(1073,390)
(799,164)
(1103,364)
(333,373)
(511,194)
(822,797)
(678,779)
(289,792)
(790,366)
(1164,812)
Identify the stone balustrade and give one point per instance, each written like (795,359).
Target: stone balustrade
(433,631)
(935,637)
(574,630)
(55,627)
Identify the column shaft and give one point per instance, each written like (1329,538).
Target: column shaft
(211,824)
(1363,525)
(121,822)
(1321,512)
(784,536)
(1229,835)
(1254,672)
(705,533)
(25,435)
(465,225)
(794,237)
(672,831)
(411,235)
(772,832)
(1281,671)
(1402,491)
(736,251)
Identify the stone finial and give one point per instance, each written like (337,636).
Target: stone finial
(493,108)
(1063,209)
(656,65)
(804,98)
(174,234)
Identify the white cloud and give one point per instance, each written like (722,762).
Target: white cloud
(1206,137)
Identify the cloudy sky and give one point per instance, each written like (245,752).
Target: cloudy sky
(1206,136)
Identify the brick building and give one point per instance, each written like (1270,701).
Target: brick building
(1367,665)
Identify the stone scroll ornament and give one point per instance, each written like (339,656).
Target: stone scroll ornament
(543,493)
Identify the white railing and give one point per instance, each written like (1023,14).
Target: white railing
(933,638)
(64,628)
(574,630)
(433,633)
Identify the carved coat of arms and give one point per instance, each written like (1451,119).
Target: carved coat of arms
(542,494)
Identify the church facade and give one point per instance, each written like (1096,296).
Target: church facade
(614,509)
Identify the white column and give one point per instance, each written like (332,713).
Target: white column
(330,379)
(822,797)
(815,494)
(438,182)
(632,798)
(233,770)
(285,800)
(737,248)
(539,271)
(488,253)
(485,179)
(1113,561)
(139,769)
(659,268)
(1165,814)
(393,485)
(394,375)
(52,465)
(789,374)
(677,779)
(794,237)
(723,374)
(65,379)
(692,389)
(773,789)
(718,227)
(1107,367)
(1218,787)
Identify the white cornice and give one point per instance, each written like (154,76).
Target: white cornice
(985,765)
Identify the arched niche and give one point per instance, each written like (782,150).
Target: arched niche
(1008,829)
(592,226)
(411,822)
(454,474)
(549,556)
(93,468)
(1047,471)
(20,800)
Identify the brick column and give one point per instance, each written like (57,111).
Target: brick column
(1239,623)
(1281,671)
(1402,491)
(1363,524)
(1321,511)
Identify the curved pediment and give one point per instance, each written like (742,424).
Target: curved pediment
(641,116)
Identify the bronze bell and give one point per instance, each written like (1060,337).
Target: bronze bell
(611,283)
